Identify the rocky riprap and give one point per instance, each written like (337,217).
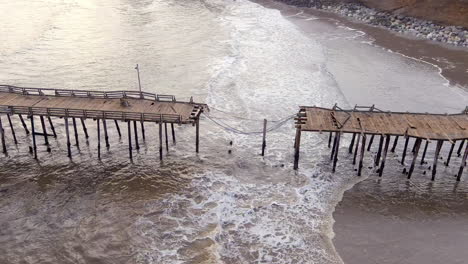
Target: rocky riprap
(454,35)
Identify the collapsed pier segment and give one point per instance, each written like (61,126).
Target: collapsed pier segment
(363,122)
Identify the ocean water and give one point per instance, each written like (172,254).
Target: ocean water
(248,63)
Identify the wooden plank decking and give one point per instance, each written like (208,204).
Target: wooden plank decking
(96,104)
(419,125)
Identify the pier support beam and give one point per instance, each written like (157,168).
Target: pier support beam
(52,126)
(2,135)
(12,129)
(436,158)
(160,142)
(463,163)
(197,136)
(98,137)
(460,147)
(404,150)
(264,137)
(297,145)
(34,137)
(85,130)
(44,130)
(67,131)
(450,154)
(356,148)
(330,139)
(118,128)
(424,152)
(77,142)
(350,150)
(129,140)
(379,151)
(395,144)
(167,139)
(106,136)
(24,124)
(143,130)
(337,147)
(334,146)
(384,156)
(370,143)
(137,146)
(417,145)
(173,134)
(363,150)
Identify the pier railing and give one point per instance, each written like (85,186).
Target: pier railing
(95,114)
(88,94)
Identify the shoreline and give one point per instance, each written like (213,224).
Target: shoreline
(347,231)
(423,29)
(450,61)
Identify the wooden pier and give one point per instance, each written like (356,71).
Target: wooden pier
(365,123)
(101,106)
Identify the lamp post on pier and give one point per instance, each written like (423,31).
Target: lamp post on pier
(138,74)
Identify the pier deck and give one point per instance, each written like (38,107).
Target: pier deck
(124,106)
(363,121)
(97,104)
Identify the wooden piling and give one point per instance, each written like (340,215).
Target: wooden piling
(404,150)
(379,151)
(334,146)
(297,145)
(436,158)
(166,137)
(337,147)
(129,140)
(85,130)
(361,159)
(75,129)
(143,130)
(350,150)
(34,137)
(370,142)
(106,136)
(98,137)
(417,145)
(118,128)
(173,134)
(2,131)
(44,130)
(160,142)
(460,147)
(395,144)
(330,139)
(264,136)
(424,152)
(12,129)
(463,163)
(356,148)
(52,126)
(197,136)
(67,131)
(450,154)
(137,145)
(384,156)
(24,124)
(414,146)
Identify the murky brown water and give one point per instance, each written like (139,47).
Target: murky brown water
(248,63)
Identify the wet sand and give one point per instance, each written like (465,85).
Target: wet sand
(391,219)
(383,221)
